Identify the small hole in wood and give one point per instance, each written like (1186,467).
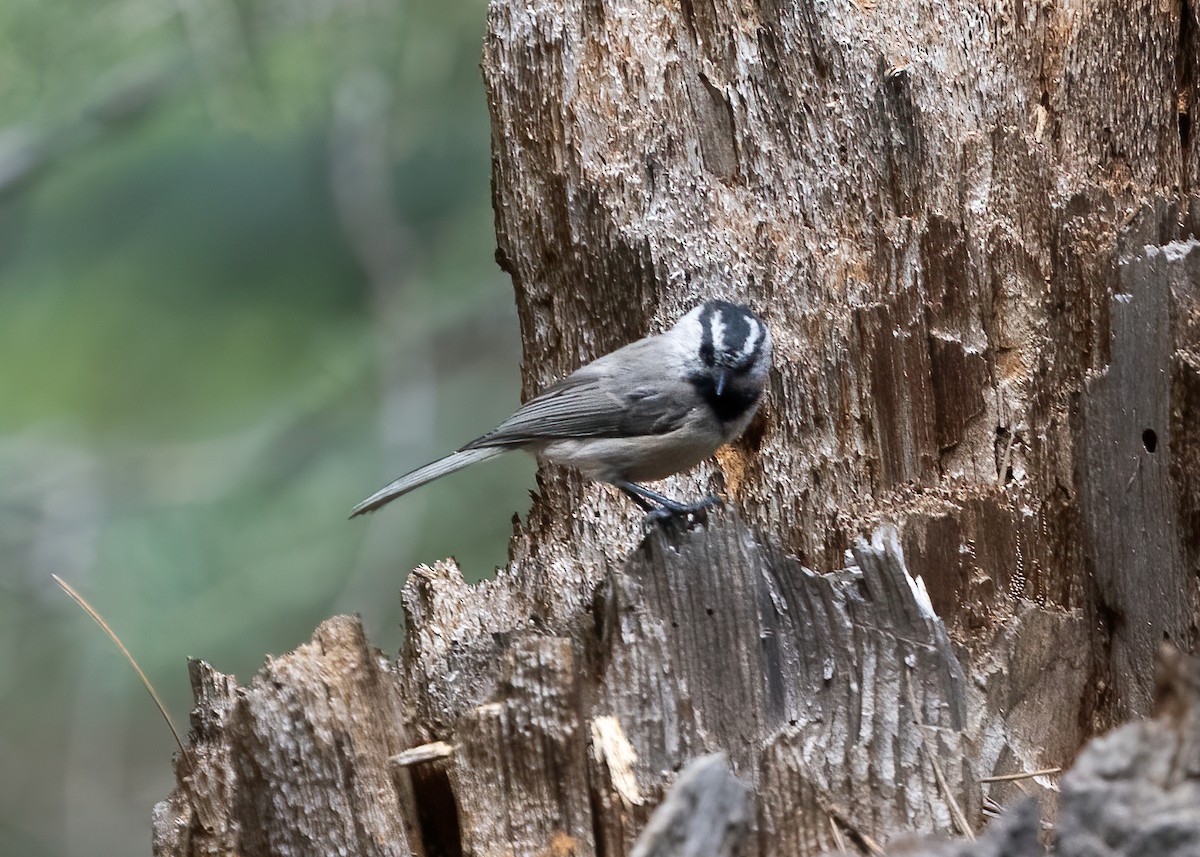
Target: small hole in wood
(708,610)
(752,438)
(437,811)
(597,808)
(1150,440)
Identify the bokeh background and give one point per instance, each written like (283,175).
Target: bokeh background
(246,277)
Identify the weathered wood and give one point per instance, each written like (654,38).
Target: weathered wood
(519,774)
(1185,401)
(516,778)
(1127,498)
(517,783)
(297,762)
(709,640)
(966,225)
(1132,793)
(919,201)
(705,639)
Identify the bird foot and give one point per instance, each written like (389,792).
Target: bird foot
(683,513)
(661,510)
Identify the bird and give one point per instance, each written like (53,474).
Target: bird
(653,408)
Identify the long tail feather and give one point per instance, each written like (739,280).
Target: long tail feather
(443,466)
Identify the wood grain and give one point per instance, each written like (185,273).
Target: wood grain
(969,226)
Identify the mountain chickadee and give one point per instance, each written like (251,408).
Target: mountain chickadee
(643,412)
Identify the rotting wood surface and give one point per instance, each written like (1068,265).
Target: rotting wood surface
(969,227)
(839,700)
(939,208)
(704,641)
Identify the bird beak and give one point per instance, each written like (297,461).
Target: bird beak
(722,377)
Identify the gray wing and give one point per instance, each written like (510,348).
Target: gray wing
(610,397)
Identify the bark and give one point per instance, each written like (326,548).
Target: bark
(931,206)
(296,763)
(970,229)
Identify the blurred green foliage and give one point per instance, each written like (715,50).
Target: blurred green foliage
(201,369)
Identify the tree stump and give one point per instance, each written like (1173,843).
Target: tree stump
(965,520)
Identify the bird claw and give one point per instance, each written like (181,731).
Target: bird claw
(682,513)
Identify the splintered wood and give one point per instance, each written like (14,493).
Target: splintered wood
(969,227)
(703,641)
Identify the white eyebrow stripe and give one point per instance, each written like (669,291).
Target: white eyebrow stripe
(718,332)
(756,331)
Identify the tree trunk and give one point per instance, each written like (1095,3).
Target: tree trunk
(969,227)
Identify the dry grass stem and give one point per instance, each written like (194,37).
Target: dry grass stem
(1011,778)
(837,836)
(91,611)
